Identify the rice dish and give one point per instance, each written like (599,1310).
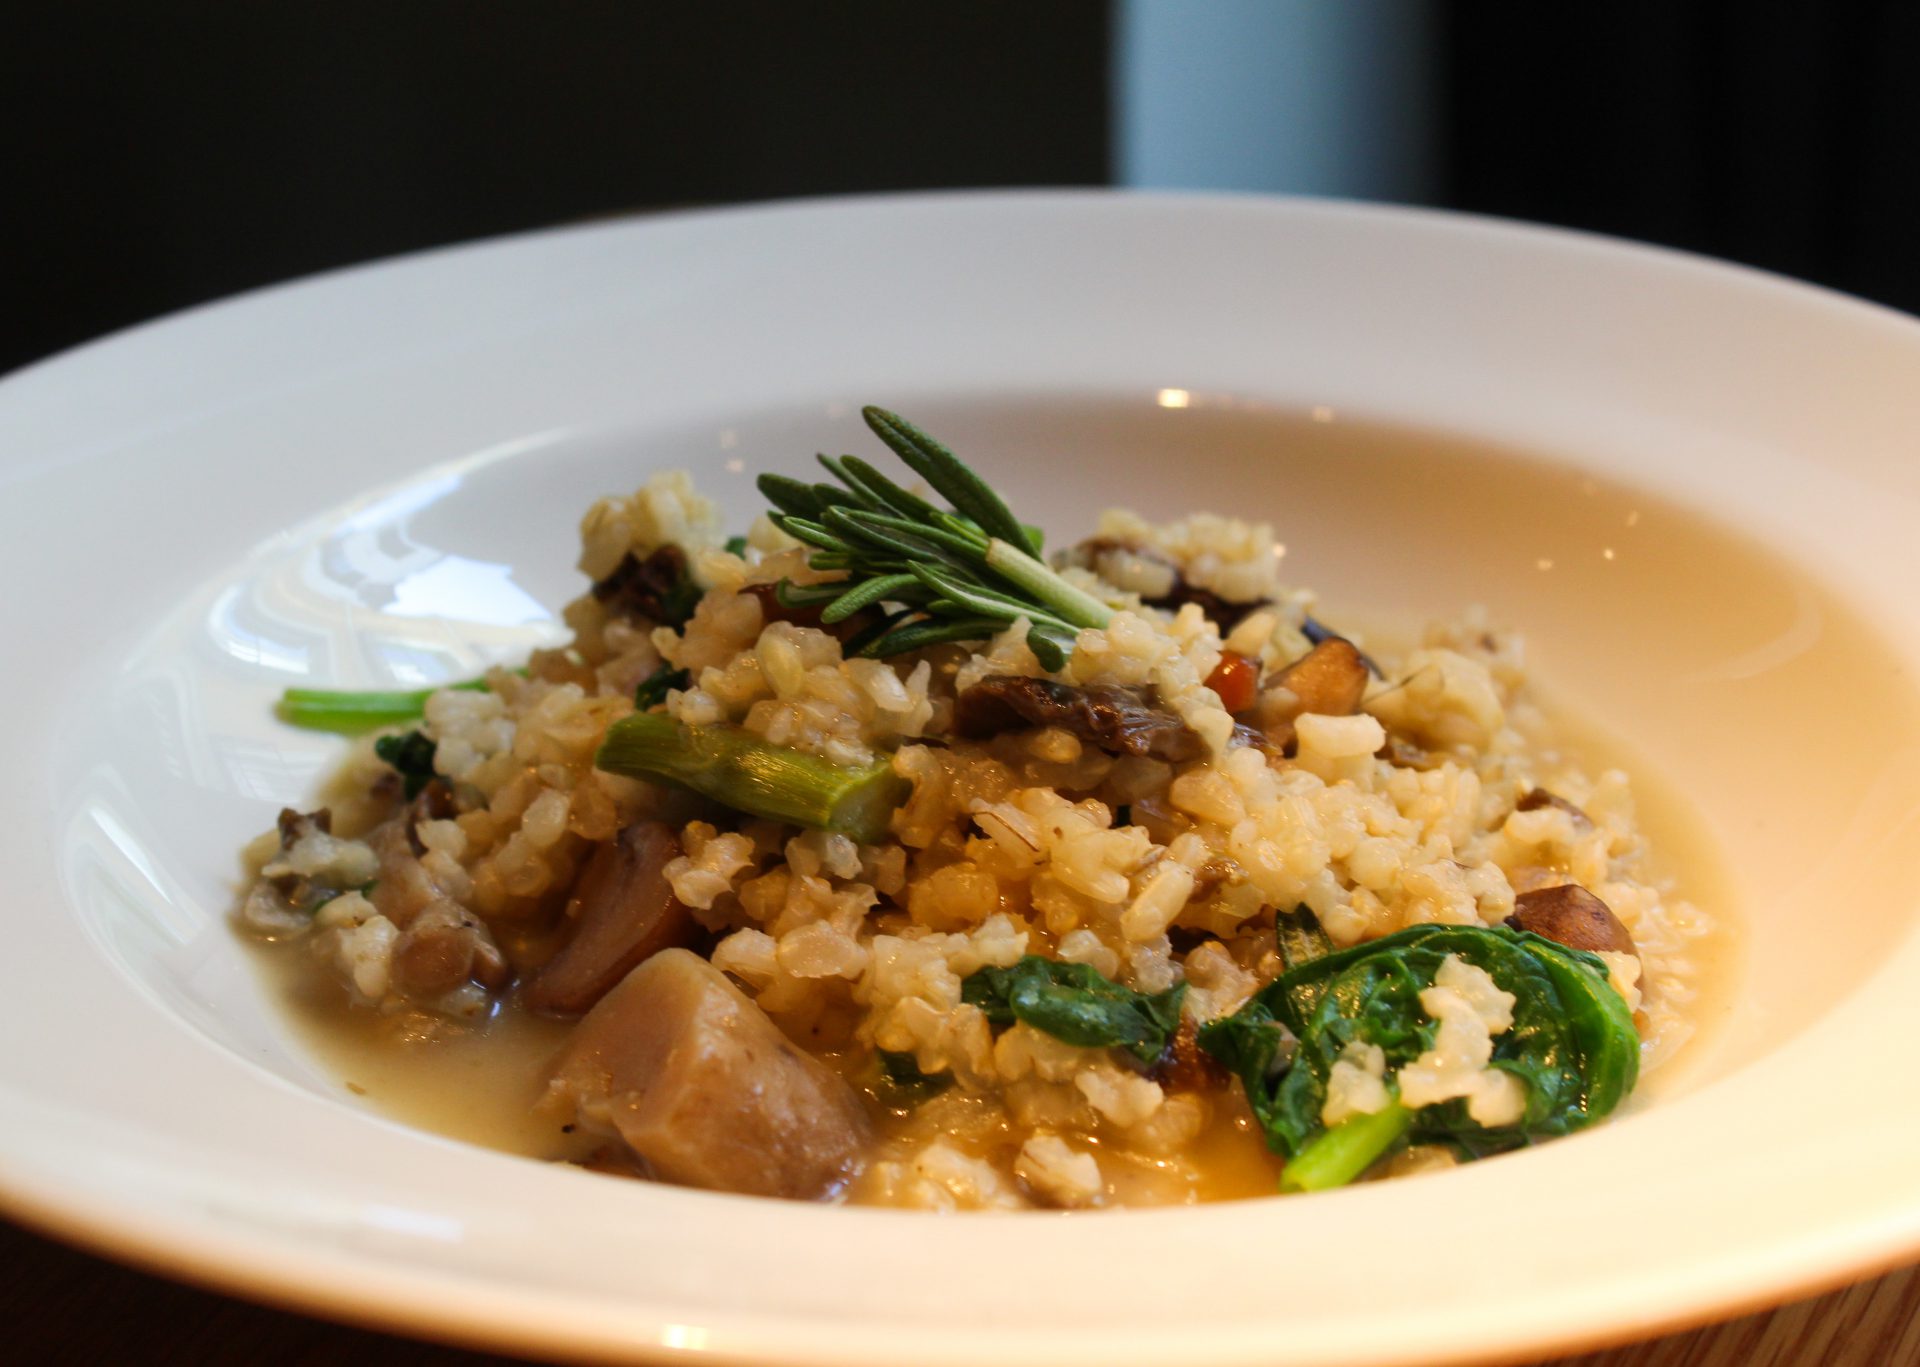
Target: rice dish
(882,857)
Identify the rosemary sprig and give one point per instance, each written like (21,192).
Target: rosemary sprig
(951,574)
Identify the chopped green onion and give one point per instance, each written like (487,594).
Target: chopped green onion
(350,712)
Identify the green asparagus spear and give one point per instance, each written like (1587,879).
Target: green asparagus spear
(733,766)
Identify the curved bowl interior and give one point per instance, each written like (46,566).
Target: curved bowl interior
(375,480)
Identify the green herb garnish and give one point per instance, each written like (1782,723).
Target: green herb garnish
(412,755)
(1077,1004)
(961,573)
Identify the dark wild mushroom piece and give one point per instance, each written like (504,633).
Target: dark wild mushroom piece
(298,892)
(623,912)
(659,588)
(1319,633)
(1328,681)
(1120,721)
(1574,917)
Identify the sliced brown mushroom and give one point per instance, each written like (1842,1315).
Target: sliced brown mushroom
(1328,681)
(296,893)
(1574,917)
(1121,721)
(1535,798)
(691,1075)
(623,911)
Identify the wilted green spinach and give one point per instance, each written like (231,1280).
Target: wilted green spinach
(1572,1044)
(1075,1003)
(653,690)
(411,755)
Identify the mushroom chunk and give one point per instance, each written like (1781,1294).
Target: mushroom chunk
(1574,917)
(623,911)
(1328,681)
(696,1079)
(658,589)
(442,950)
(1118,720)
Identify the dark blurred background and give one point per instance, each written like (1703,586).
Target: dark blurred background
(154,156)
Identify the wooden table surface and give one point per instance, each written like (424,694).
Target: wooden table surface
(61,1306)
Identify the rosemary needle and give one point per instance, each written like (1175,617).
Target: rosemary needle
(953,574)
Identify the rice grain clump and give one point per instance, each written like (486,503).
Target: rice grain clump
(1136,885)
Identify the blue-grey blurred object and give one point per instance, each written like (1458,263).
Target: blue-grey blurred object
(1318,97)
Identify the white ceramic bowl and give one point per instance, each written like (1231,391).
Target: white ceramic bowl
(375,476)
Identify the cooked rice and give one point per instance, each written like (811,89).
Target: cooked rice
(1010,846)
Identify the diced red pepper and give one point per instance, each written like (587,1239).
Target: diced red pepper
(1237,680)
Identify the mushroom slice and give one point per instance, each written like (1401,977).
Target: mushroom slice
(1328,681)
(1574,917)
(623,911)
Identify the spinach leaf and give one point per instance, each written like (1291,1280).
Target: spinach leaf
(1299,938)
(1075,1003)
(1572,1042)
(412,755)
(654,688)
